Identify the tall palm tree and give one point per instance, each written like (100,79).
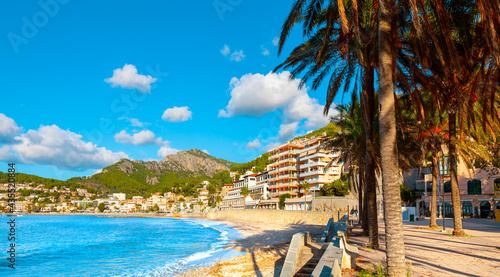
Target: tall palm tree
(350,142)
(347,56)
(433,140)
(389,153)
(460,74)
(305,186)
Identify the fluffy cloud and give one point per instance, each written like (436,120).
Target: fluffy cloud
(288,130)
(257,94)
(8,129)
(177,114)
(49,145)
(134,122)
(276,40)
(237,56)
(225,50)
(144,137)
(305,107)
(206,151)
(127,77)
(166,150)
(253,144)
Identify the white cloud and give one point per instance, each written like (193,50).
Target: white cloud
(166,150)
(272,145)
(305,107)
(8,129)
(257,94)
(265,52)
(134,122)
(237,56)
(287,130)
(127,77)
(49,145)
(206,151)
(177,114)
(144,137)
(276,40)
(253,144)
(225,50)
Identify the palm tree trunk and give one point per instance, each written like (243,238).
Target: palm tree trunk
(455,193)
(433,205)
(364,213)
(389,153)
(368,103)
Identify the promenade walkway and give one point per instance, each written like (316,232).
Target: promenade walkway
(432,253)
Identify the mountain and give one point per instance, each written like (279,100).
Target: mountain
(180,172)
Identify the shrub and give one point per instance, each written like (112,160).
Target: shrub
(336,188)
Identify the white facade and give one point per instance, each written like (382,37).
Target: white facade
(120,196)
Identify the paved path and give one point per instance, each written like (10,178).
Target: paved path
(432,253)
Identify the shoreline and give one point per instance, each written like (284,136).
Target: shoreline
(263,247)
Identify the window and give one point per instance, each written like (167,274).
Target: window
(467,208)
(447,186)
(496,185)
(443,166)
(474,187)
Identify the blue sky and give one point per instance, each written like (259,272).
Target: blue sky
(85,83)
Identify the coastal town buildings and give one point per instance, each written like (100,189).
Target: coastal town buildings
(317,165)
(299,161)
(476,186)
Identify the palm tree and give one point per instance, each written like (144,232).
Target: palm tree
(200,203)
(459,75)
(350,142)
(305,186)
(433,140)
(351,54)
(389,154)
(218,199)
(245,192)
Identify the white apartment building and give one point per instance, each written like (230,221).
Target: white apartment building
(261,188)
(234,199)
(298,161)
(313,161)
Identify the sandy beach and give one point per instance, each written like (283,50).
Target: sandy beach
(265,246)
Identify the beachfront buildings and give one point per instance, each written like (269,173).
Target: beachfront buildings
(317,165)
(291,164)
(302,160)
(476,186)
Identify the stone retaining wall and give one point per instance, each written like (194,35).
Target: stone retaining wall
(275,216)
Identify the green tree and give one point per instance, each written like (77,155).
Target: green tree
(245,192)
(336,188)
(218,199)
(101,207)
(305,186)
(283,197)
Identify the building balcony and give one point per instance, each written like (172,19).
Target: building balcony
(313,164)
(313,156)
(310,148)
(288,168)
(317,181)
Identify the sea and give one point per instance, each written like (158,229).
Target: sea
(86,245)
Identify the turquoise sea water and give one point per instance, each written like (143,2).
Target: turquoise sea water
(84,245)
